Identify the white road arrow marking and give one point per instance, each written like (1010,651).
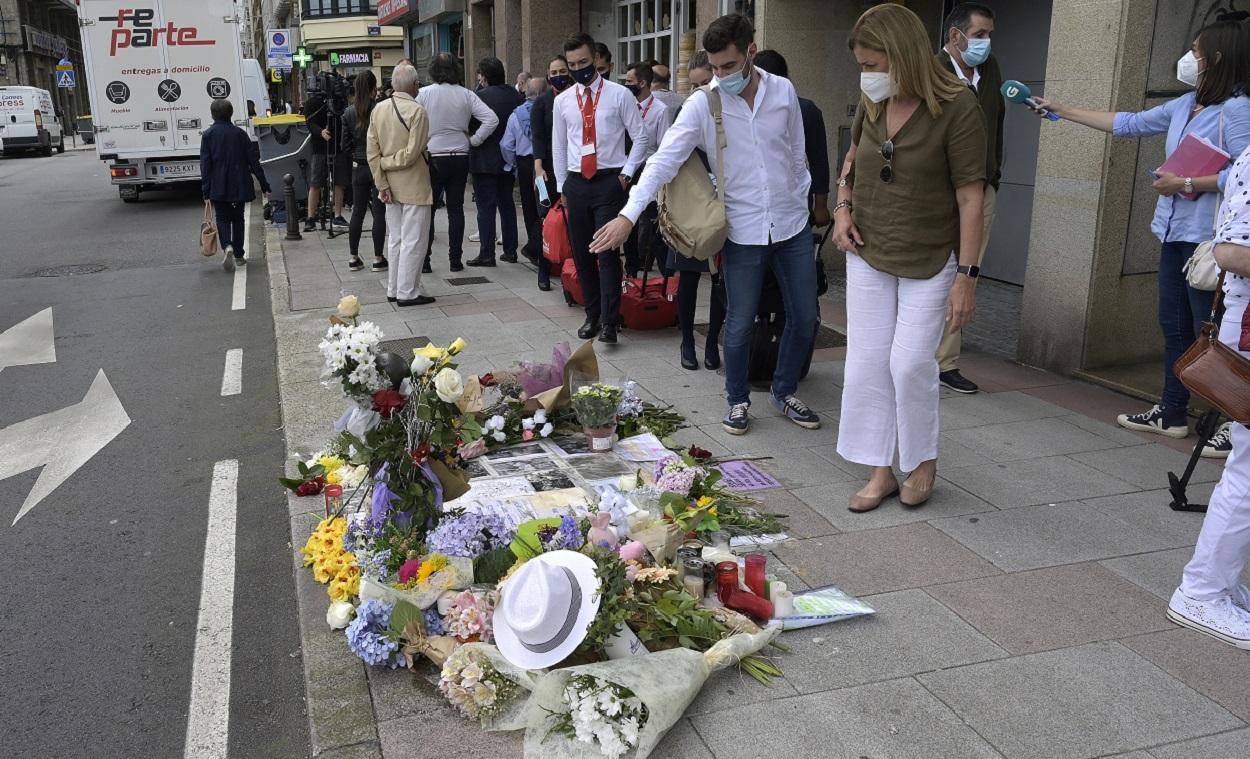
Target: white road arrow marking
(61,441)
(29,342)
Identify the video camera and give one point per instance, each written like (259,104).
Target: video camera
(332,91)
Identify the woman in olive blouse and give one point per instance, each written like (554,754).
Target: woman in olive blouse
(909,217)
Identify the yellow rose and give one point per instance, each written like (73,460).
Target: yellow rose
(349,307)
(431,351)
(456,346)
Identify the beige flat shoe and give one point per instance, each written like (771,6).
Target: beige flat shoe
(861,503)
(910,495)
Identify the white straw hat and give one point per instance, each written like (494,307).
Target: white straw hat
(546,608)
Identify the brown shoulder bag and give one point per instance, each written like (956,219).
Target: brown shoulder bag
(1215,372)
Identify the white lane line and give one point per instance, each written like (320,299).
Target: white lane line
(239,300)
(232,377)
(209,721)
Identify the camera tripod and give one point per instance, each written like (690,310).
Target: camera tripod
(1207,425)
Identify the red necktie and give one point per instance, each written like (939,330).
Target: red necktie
(590,163)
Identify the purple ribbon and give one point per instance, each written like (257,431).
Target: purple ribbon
(428,471)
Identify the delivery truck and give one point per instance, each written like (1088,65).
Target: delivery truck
(153,67)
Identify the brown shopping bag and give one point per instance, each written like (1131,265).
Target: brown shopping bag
(208,231)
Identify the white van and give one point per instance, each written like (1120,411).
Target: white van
(254,86)
(28,121)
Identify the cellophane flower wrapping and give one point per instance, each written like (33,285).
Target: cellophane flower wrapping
(513,715)
(666,682)
(537,377)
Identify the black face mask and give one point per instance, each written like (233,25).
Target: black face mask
(561,81)
(584,76)
(634,88)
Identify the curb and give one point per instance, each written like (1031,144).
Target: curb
(336,687)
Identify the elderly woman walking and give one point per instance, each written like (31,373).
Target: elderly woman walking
(909,216)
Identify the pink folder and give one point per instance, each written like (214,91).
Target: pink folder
(1195,157)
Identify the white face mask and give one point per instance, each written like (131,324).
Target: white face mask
(1187,69)
(877,86)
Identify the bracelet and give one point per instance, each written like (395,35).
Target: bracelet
(843,204)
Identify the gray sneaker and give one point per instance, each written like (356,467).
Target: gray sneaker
(227,262)
(796,411)
(737,420)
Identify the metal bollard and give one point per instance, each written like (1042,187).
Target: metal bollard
(292,209)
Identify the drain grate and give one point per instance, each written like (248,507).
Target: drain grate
(71,270)
(826,336)
(404,346)
(468,281)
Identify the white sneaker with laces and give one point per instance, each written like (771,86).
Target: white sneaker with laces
(1221,618)
(1241,596)
(1220,444)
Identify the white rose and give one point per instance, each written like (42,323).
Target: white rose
(546,430)
(527,424)
(500,437)
(627,482)
(340,614)
(449,385)
(496,422)
(349,307)
(540,416)
(421,365)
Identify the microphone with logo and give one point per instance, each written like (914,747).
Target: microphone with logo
(1019,92)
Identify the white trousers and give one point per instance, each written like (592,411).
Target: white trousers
(890,393)
(1224,543)
(406,228)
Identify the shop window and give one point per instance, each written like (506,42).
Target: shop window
(319,8)
(647,29)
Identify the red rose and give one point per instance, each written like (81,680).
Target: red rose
(699,454)
(421,453)
(408,570)
(387,402)
(486,380)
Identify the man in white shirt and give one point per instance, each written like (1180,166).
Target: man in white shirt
(640,249)
(592,169)
(765,185)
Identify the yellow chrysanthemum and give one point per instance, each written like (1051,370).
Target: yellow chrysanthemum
(430,566)
(330,463)
(333,477)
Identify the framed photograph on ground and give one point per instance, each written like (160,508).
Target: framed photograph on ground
(522,450)
(571,445)
(525,467)
(552,479)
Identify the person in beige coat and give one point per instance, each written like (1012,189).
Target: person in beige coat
(398,133)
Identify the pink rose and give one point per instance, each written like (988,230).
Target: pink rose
(527,435)
(472,450)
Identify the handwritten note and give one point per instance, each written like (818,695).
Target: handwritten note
(745,475)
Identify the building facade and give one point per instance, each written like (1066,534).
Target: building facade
(35,35)
(344,36)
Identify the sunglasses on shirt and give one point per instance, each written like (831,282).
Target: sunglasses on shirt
(887,152)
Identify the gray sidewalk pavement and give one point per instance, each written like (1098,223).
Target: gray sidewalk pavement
(1020,612)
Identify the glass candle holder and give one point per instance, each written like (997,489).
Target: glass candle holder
(334,499)
(755,564)
(726,580)
(692,579)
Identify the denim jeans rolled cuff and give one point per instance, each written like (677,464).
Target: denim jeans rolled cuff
(1182,310)
(743,268)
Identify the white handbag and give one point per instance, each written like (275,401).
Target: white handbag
(1201,270)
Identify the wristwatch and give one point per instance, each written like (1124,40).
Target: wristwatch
(972,272)
(1189,184)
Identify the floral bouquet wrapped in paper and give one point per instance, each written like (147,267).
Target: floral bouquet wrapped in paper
(485,686)
(623,707)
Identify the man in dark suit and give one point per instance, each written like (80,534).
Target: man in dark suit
(969,27)
(540,119)
(227,165)
(492,176)
(816,144)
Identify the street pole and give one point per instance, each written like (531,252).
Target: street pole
(292,211)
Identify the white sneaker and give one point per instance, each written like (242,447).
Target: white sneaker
(1241,596)
(1220,444)
(227,263)
(475,237)
(1220,619)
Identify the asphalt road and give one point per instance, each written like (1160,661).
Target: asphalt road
(102,580)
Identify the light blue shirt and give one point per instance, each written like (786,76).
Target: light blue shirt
(518,139)
(1178,219)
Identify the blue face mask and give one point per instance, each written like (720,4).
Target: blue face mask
(977,53)
(585,76)
(736,82)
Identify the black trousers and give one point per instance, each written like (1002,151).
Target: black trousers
(591,204)
(230,225)
(363,188)
(452,172)
(493,193)
(529,206)
(645,246)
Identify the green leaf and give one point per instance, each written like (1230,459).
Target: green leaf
(526,545)
(403,613)
(291,483)
(492,565)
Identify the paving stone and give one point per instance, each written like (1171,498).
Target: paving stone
(1050,608)
(802,520)
(694,436)
(1033,439)
(801,467)
(1080,702)
(1147,466)
(1214,669)
(1158,572)
(877,561)
(682,741)
(445,734)
(1046,535)
(911,632)
(689,384)
(1149,510)
(401,693)
(769,434)
(1112,432)
(993,408)
(731,688)
(1230,745)
(368,750)
(830,501)
(896,719)
(1025,483)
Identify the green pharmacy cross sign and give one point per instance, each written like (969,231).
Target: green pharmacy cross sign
(301,57)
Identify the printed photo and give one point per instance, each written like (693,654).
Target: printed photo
(516,451)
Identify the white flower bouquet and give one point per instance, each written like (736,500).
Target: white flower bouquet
(485,686)
(663,684)
(350,352)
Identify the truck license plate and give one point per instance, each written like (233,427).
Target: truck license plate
(178,169)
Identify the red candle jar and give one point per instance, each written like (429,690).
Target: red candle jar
(755,573)
(334,499)
(726,580)
(751,604)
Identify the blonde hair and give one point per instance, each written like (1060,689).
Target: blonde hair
(900,34)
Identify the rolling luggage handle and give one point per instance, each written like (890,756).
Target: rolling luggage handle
(649,261)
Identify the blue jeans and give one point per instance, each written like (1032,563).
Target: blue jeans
(230,225)
(1182,310)
(742,269)
(493,192)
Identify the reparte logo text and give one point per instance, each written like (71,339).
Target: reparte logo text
(142,33)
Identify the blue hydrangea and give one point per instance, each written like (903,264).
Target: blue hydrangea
(568,536)
(374,565)
(366,635)
(469,535)
(434,622)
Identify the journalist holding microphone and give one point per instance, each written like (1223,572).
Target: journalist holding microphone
(909,216)
(1217,110)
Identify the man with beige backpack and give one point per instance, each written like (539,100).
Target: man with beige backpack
(764,185)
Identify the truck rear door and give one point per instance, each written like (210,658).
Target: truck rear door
(206,62)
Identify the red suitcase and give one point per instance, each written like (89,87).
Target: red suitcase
(649,304)
(557,247)
(571,284)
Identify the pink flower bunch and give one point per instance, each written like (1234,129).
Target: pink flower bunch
(469,616)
